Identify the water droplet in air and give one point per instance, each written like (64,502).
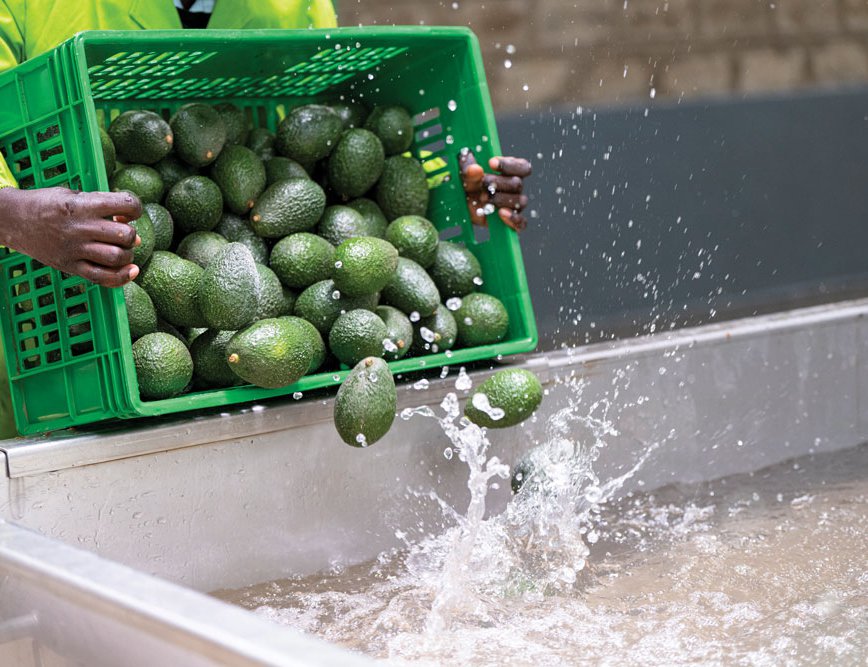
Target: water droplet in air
(362,440)
(480,402)
(463,382)
(507,63)
(336,295)
(297,395)
(444,372)
(420,385)
(510,49)
(414,316)
(336,377)
(477,280)
(593,494)
(454,5)
(427,335)
(525,88)
(454,303)
(468,321)
(447,453)
(452,105)
(653,93)
(338,265)
(389,345)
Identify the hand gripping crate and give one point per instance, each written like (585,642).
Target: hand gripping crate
(68,349)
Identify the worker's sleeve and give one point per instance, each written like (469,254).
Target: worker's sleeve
(322,14)
(11,53)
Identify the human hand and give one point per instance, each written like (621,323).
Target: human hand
(502,190)
(68,230)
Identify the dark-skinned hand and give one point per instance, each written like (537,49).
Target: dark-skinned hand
(81,233)
(502,190)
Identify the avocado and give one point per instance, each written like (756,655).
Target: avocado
(173,283)
(145,229)
(261,141)
(435,333)
(352,114)
(236,229)
(200,134)
(271,353)
(281,168)
(140,311)
(375,221)
(415,238)
(364,265)
(482,320)
(402,188)
(321,304)
(505,399)
(308,133)
(164,227)
(356,163)
(195,204)
(339,223)
(210,367)
(357,334)
(394,126)
(317,345)
(163,365)
(141,137)
(399,331)
(293,205)
(302,259)
(235,122)
(141,180)
(455,270)
(229,289)
(365,404)
(172,170)
(411,290)
(201,247)
(109,154)
(240,175)
(274,299)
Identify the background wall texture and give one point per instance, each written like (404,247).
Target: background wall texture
(541,53)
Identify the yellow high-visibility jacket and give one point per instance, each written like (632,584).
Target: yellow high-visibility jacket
(30,27)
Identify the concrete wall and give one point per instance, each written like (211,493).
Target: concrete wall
(571,52)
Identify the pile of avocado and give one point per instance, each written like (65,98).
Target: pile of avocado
(268,256)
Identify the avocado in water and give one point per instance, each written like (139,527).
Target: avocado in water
(200,134)
(402,188)
(365,404)
(163,365)
(229,289)
(505,399)
(141,137)
(240,175)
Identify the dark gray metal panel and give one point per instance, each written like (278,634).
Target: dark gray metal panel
(692,212)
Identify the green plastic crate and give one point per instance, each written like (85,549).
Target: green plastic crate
(67,343)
